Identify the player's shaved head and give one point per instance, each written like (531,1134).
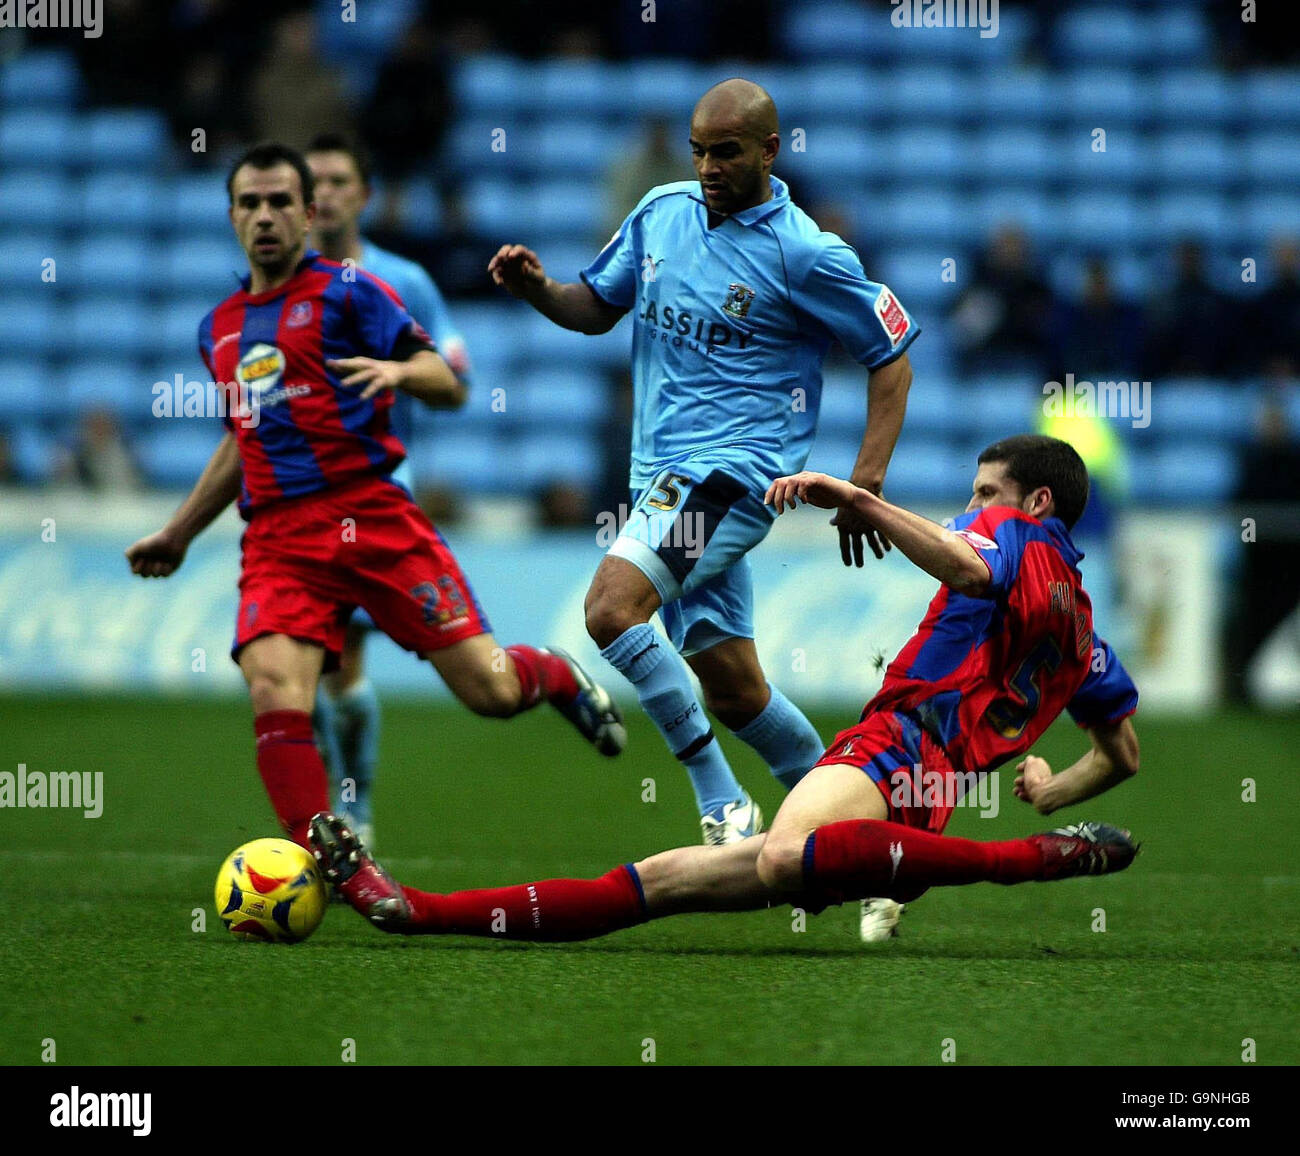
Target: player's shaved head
(734,140)
(744,106)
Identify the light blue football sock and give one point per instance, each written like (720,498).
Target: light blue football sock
(325,725)
(663,684)
(356,713)
(784,738)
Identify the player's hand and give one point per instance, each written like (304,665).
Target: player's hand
(158,555)
(812,489)
(854,528)
(375,375)
(516,268)
(1031,781)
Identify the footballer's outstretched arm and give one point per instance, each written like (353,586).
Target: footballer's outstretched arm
(571,304)
(939,552)
(424,375)
(162,553)
(1112,759)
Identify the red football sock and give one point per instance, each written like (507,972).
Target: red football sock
(867,857)
(542,675)
(555,909)
(291,769)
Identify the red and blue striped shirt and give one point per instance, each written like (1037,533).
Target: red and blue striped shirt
(987,675)
(299,430)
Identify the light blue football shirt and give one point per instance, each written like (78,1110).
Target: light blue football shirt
(730,328)
(423,302)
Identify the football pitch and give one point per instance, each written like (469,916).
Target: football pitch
(99,951)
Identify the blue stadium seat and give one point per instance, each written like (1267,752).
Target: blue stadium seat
(916,275)
(1195,157)
(488,330)
(1197,408)
(30,323)
(1272,158)
(122,200)
(1125,161)
(1106,97)
(110,327)
(40,78)
(570,398)
(841,92)
(920,215)
(1014,96)
(1190,473)
(921,94)
(371,36)
(1100,219)
(102,384)
(1271,214)
(1178,215)
(498,207)
(665,87)
(566,88)
(110,263)
(836,153)
(1103,36)
(1270,99)
(1015,154)
(1023,205)
(538,461)
(491,86)
(124,138)
(921,152)
(31,390)
(586,148)
(202,266)
(196,204)
(570,209)
(43,201)
(176,333)
(994,407)
(39,138)
(469,152)
(421,209)
(473,462)
(546,343)
(844,404)
(926,471)
(563,260)
(835,30)
(174,454)
(1195,96)
(1179,33)
(36,454)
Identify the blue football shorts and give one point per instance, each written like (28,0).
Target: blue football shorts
(689,536)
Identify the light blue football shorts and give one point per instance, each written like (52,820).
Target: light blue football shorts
(690,536)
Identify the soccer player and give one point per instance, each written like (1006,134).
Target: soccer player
(737,296)
(1006,644)
(347,717)
(313,352)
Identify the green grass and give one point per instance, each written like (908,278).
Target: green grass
(97,951)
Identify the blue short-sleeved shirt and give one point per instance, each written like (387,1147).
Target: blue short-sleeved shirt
(731,325)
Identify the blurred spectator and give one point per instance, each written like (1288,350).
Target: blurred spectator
(1191,325)
(1275,314)
(406,117)
(100,458)
(1266,589)
(441,505)
(659,161)
(458,258)
(8,471)
(1001,319)
(1097,335)
(295,95)
(132,61)
(564,506)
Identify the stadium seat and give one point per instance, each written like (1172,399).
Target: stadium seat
(1196,157)
(1179,33)
(30,323)
(564,259)
(123,138)
(586,148)
(39,201)
(1271,214)
(473,462)
(835,153)
(468,150)
(110,327)
(110,264)
(559,396)
(569,209)
(535,462)
(1180,215)
(500,207)
(122,200)
(492,86)
(1272,159)
(665,87)
(1189,409)
(174,454)
(571,89)
(1015,154)
(930,472)
(1191,473)
(487,332)
(197,204)
(917,152)
(844,404)
(1103,36)
(40,78)
(920,215)
(994,407)
(176,332)
(920,94)
(546,343)
(1010,96)
(202,266)
(1126,160)
(1090,219)
(841,92)
(36,455)
(916,276)
(1108,97)
(31,391)
(1023,205)
(1269,99)
(1195,96)
(121,389)
(837,31)
(39,138)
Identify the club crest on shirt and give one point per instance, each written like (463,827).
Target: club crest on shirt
(299,315)
(739,299)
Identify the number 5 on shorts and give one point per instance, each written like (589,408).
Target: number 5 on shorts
(672,495)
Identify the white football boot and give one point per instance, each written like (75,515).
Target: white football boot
(732,823)
(879,920)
